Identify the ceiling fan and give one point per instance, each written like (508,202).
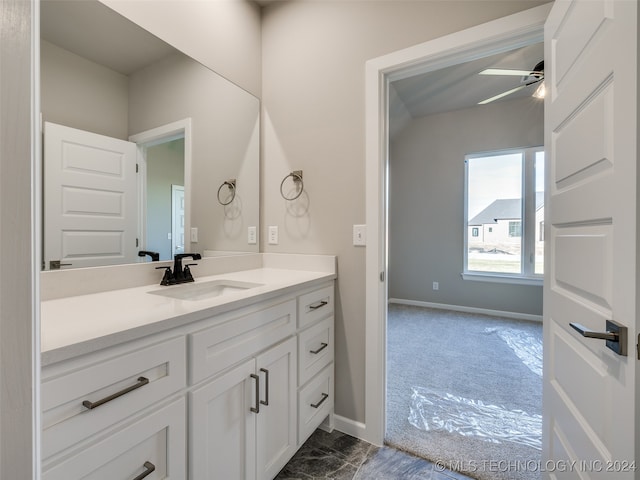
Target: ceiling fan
(529,77)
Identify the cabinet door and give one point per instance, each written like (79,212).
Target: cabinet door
(276,428)
(222,427)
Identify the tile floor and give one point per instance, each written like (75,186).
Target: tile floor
(338,456)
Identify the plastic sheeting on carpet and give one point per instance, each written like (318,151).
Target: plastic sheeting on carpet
(527,347)
(431,410)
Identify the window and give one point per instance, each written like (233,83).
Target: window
(505,199)
(515,229)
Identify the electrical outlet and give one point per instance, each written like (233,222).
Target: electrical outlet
(194,234)
(273,235)
(436,286)
(360,235)
(252,235)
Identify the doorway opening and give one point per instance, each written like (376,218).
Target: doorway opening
(164,163)
(458,389)
(500,36)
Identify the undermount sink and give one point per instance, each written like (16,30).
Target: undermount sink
(203,290)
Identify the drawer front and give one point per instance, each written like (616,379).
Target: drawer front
(315,402)
(142,374)
(315,349)
(153,442)
(315,305)
(220,346)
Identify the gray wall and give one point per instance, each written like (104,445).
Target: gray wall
(313,75)
(426,203)
(222,35)
(225,143)
(82,94)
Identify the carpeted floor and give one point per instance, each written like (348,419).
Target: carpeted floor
(465,391)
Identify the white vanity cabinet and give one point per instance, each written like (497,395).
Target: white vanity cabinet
(232,396)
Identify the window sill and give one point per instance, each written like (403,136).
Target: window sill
(498,278)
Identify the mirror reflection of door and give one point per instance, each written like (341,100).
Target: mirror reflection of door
(177,219)
(89,199)
(164,170)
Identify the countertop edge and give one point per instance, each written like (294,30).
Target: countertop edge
(78,349)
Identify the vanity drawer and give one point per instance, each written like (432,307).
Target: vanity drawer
(315,305)
(82,396)
(220,346)
(315,349)
(156,441)
(315,402)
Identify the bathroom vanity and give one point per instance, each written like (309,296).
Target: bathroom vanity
(226,384)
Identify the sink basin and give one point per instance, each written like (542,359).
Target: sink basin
(203,290)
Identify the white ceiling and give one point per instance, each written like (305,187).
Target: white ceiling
(87,28)
(460,86)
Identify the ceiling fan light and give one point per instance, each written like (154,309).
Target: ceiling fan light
(541,91)
(505,71)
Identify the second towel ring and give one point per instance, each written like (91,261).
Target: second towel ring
(297,178)
(232,188)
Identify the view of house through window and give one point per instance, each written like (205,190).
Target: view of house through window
(505,212)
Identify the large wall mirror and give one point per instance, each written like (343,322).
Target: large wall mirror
(144,148)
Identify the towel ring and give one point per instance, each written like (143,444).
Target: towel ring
(297,178)
(231,184)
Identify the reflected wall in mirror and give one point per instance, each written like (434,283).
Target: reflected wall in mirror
(102,74)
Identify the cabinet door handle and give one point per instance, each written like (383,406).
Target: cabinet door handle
(318,305)
(150,467)
(324,397)
(256,409)
(142,381)
(266,387)
(322,347)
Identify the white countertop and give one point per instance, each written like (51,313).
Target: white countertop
(81,324)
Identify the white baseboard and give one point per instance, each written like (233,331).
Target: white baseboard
(458,308)
(350,427)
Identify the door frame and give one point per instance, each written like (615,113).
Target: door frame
(155,136)
(497,36)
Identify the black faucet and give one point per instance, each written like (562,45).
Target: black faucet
(178,272)
(155,256)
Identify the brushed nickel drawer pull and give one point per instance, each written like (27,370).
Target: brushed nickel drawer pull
(318,305)
(324,397)
(322,347)
(150,467)
(142,381)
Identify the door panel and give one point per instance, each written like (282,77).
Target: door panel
(590,275)
(90,199)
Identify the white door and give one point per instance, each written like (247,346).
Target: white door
(591,275)
(177,219)
(90,203)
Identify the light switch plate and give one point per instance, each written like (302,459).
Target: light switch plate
(194,234)
(273,235)
(359,235)
(252,235)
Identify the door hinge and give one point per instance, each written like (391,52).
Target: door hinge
(382,276)
(638,347)
(136,168)
(137,243)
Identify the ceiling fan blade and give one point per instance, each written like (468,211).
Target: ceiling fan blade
(506,71)
(503,94)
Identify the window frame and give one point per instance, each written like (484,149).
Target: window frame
(527,273)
